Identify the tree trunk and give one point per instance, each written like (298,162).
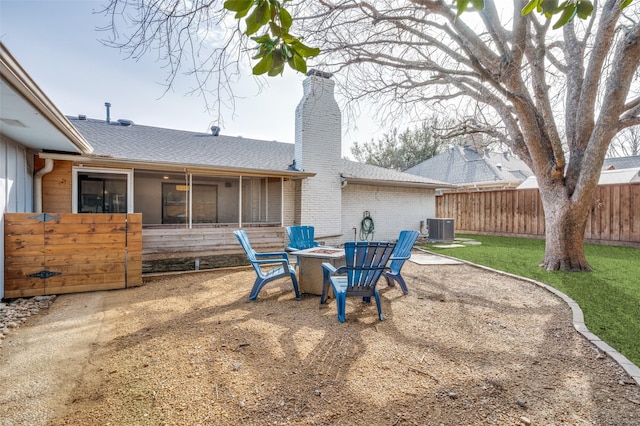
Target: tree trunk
(565,223)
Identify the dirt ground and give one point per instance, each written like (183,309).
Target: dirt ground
(465,347)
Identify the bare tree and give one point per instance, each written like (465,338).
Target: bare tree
(196,39)
(626,143)
(553,90)
(202,40)
(561,95)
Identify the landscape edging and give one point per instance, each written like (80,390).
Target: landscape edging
(578,318)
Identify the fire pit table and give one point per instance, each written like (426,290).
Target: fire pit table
(310,267)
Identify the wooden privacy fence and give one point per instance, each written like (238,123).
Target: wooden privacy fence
(68,253)
(614,215)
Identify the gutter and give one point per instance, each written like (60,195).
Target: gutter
(396,183)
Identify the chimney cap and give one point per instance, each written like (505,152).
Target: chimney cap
(319,73)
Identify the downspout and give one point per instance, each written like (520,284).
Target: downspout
(37,184)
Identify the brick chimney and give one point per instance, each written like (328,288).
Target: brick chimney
(318,150)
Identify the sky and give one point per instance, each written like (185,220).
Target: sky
(58,44)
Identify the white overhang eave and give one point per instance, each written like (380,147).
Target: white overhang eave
(29,97)
(97,161)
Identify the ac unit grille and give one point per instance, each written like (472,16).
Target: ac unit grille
(440,230)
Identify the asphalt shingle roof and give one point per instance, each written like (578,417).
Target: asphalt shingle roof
(154,144)
(621,163)
(353,169)
(463,165)
(138,143)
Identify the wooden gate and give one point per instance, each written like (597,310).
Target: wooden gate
(70,253)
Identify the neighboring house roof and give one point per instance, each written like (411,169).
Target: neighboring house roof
(355,172)
(28,116)
(621,163)
(607,177)
(464,166)
(154,146)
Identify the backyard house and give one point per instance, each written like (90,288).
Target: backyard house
(607,177)
(617,163)
(471,170)
(194,189)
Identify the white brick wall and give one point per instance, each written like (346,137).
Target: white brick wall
(317,150)
(392,210)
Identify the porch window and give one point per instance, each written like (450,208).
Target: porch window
(101,191)
(170,198)
(191,200)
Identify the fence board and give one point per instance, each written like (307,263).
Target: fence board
(625,213)
(634,212)
(616,225)
(614,216)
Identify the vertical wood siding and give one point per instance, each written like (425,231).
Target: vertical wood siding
(57,188)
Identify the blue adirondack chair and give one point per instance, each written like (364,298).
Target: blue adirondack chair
(364,264)
(402,252)
(300,238)
(274,258)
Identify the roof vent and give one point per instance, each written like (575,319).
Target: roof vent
(82,117)
(13,122)
(125,123)
(108,106)
(215,130)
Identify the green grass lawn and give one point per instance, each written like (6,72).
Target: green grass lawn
(609,296)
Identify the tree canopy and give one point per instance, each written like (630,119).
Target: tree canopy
(400,150)
(277,46)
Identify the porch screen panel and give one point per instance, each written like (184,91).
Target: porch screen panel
(275,200)
(214,199)
(174,203)
(261,200)
(205,203)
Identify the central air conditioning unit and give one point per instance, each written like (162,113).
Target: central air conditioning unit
(440,230)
